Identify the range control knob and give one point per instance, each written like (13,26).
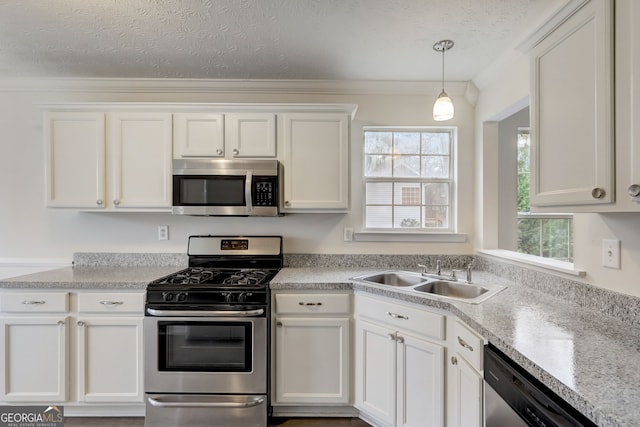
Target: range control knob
(228,296)
(242,297)
(182,296)
(167,296)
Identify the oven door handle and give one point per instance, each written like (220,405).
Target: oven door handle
(205,313)
(168,402)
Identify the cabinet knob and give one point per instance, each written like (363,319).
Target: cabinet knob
(99,202)
(219,152)
(279,324)
(392,337)
(60,322)
(454,360)
(236,151)
(80,323)
(287,203)
(116,202)
(634,190)
(400,339)
(598,193)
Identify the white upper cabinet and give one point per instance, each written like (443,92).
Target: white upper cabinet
(572,157)
(315,161)
(140,154)
(198,135)
(98,160)
(75,159)
(224,135)
(251,134)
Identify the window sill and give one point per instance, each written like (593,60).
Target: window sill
(410,237)
(530,260)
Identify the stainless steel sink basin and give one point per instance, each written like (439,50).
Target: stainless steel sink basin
(451,289)
(394,278)
(439,288)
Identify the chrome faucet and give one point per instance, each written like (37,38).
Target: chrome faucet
(469,266)
(438,267)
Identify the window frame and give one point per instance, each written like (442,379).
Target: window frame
(452,181)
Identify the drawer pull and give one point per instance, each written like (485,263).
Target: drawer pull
(464,344)
(31,302)
(279,324)
(397,316)
(310,304)
(454,360)
(111,303)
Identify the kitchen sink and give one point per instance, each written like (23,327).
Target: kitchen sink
(394,278)
(451,289)
(429,286)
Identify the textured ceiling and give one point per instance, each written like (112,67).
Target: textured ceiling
(260,39)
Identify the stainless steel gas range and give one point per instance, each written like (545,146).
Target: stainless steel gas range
(206,338)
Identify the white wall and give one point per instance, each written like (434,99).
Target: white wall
(29,230)
(506,93)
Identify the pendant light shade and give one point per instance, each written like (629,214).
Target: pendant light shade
(443,108)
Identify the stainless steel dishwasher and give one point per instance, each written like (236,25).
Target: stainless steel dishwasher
(514,398)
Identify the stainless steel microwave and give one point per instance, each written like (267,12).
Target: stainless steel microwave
(216,187)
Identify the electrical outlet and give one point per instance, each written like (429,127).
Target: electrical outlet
(611,253)
(348,234)
(163,232)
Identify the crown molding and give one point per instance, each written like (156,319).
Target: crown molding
(310,87)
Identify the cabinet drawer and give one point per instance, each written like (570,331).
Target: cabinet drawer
(31,302)
(468,344)
(110,302)
(414,319)
(313,303)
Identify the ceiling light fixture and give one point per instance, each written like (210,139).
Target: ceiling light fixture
(443,108)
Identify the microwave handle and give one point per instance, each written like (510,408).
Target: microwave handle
(247,191)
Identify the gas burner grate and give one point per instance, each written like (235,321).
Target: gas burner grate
(188,276)
(246,277)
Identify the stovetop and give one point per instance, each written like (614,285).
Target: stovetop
(215,278)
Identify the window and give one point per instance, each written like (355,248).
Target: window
(544,235)
(408,178)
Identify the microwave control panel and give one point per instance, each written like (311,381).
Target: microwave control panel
(264,193)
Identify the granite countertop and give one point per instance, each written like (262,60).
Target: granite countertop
(591,360)
(89,278)
(588,358)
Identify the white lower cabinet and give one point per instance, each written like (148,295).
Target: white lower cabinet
(312,349)
(38,362)
(465,384)
(400,375)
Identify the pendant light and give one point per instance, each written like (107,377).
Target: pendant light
(443,108)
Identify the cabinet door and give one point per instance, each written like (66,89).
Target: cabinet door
(420,373)
(33,361)
(251,134)
(140,159)
(109,357)
(316,161)
(75,159)
(467,387)
(376,371)
(572,160)
(312,360)
(632,187)
(198,135)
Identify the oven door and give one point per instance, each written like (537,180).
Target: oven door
(205,355)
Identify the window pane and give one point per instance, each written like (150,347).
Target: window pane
(435,167)
(378,193)
(377,142)
(407,216)
(407,193)
(407,167)
(435,143)
(436,216)
(436,194)
(406,143)
(378,217)
(377,166)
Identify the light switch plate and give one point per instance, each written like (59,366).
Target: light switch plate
(611,253)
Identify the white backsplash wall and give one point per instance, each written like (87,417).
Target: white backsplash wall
(29,230)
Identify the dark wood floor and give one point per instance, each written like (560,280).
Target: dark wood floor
(275,422)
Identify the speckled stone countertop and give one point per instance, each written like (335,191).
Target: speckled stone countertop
(590,359)
(85,277)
